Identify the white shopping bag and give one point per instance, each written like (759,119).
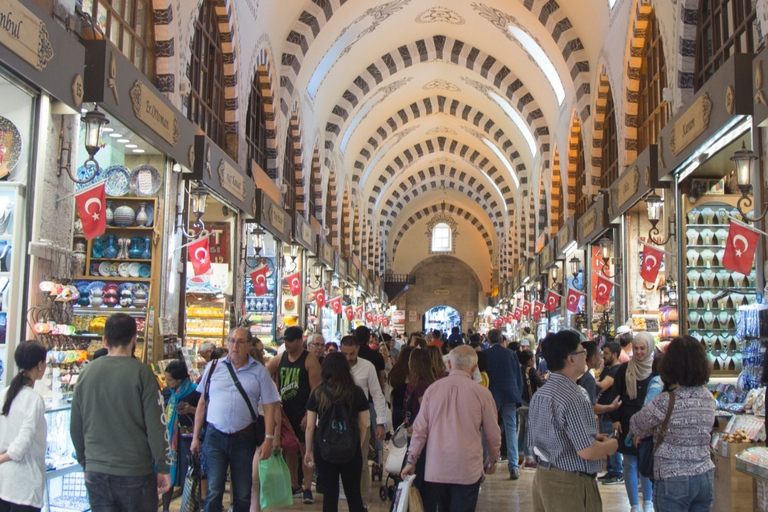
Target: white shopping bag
(402,493)
(397,447)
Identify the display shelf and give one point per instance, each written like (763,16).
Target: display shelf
(122,260)
(118,278)
(129,228)
(101,310)
(708,225)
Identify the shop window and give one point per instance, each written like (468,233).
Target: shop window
(129,25)
(609,161)
(206,75)
(256,128)
(724,27)
(652,110)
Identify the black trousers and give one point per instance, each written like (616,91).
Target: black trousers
(450,497)
(6,506)
(350,477)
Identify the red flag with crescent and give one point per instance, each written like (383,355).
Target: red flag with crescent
(652,259)
(259,279)
(90,207)
(336,305)
(602,290)
(359,312)
(553,301)
(200,256)
(572,302)
(320,298)
(349,311)
(526,308)
(369,316)
(497,323)
(518,314)
(379,319)
(294,281)
(385,322)
(537,309)
(740,248)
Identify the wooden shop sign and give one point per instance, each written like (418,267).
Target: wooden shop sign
(231,180)
(150,110)
(24,34)
(627,186)
(691,124)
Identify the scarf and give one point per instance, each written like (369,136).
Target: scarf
(172,418)
(639,370)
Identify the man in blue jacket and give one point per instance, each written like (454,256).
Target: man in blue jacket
(506,384)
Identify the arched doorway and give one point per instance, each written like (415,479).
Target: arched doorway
(441,318)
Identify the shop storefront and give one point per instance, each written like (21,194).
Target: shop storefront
(572,260)
(324,274)
(550,270)
(305,249)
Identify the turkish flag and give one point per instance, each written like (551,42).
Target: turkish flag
(379,319)
(603,289)
(336,305)
(740,248)
(553,301)
(369,316)
(526,308)
(259,279)
(320,298)
(537,308)
(294,281)
(497,323)
(572,302)
(652,259)
(90,207)
(385,322)
(200,256)
(518,314)
(350,312)
(359,312)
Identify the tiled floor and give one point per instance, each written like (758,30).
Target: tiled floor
(497,494)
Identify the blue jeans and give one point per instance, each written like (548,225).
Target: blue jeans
(112,493)
(631,474)
(522,438)
(509,417)
(235,451)
(614,461)
(685,493)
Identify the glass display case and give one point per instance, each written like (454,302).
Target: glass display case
(260,309)
(64,482)
(207,320)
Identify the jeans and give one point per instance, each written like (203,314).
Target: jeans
(631,474)
(7,506)
(453,497)
(350,477)
(522,436)
(685,493)
(509,417)
(235,451)
(112,493)
(614,461)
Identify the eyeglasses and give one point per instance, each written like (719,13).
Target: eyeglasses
(577,352)
(238,342)
(317,344)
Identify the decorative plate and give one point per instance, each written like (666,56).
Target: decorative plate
(145,181)
(123,269)
(94,271)
(150,215)
(124,286)
(104,269)
(113,270)
(96,284)
(83,173)
(145,271)
(116,180)
(133,269)
(10,146)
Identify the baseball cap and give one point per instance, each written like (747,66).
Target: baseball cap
(292,333)
(525,343)
(622,329)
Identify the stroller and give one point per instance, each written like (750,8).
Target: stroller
(397,447)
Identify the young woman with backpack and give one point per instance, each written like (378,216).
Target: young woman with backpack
(337,412)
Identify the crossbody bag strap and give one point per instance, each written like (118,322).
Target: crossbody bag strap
(239,387)
(207,393)
(663,431)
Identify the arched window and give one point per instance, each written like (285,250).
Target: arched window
(256,127)
(442,238)
(725,27)
(128,24)
(653,112)
(609,160)
(206,75)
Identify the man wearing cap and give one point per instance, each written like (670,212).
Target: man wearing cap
(298,373)
(624,338)
(525,345)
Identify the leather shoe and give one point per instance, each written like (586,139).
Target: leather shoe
(513,474)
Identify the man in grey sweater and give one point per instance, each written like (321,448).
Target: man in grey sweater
(117,426)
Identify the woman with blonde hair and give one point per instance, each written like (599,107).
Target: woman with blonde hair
(437,360)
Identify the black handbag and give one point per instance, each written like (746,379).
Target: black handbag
(646,449)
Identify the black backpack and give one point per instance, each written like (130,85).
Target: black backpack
(337,436)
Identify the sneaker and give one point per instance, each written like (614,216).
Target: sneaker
(614,480)
(606,476)
(513,475)
(296,492)
(307,497)
(529,464)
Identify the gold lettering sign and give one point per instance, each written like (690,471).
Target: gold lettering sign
(24,34)
(627,186)
(546,256)
(231,180)
(562,237)
(588,223)
(276,218)
(327,252)
(306,233)
(343,266)
(691,124)
(150,110)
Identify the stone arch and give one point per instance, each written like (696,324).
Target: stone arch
(166,64)
(558,211)
(316,186)
(356,237)
(264,80)
(543,225)
(638,36)
(577,198)
(346,223)
(293,177)
(429,263)
(602,101)
(331,220)
(686,49)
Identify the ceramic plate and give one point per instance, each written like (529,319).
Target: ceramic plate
(150,216)
(145,271)
(83,173)
(104,269)
(133,269)
(145,181)
(10,146)
(123,270)
(113,270)
(96,284)
(95,269)
(116,180)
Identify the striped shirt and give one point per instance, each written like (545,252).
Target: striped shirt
(561,423)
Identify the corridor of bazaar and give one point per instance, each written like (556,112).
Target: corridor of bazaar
(526,166)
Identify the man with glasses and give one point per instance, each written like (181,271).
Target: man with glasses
(234,386)
(317,346)
(298,373)
(563,433)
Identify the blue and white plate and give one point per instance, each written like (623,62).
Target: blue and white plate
(145,181)
(96,284)
(116,181)
(150,215)
(84,173)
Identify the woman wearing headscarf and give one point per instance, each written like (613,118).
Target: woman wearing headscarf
(631,384)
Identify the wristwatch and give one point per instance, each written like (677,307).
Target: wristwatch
(269,436)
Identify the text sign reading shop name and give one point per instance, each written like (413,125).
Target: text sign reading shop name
(691,124)
(151,111)
(24,34)
(231,180)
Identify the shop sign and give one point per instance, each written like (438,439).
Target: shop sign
(545,258)
(627,186)
(304,234)
(150,110)
(563,237)
(231,180)
(533,269)
(343,267)
(588,223)
(691,124)
(24,34)
(470,316)
(276,217)
(218,242)
(354,273)
(325,252)
(413,316)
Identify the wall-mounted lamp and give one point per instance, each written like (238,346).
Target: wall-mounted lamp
(94,124)
(743,159)
(317,275)
(554,274)
(655,204)
(254,241)
(198,196)
(606,253)
(294,253)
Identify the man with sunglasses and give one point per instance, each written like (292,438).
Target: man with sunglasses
(563,433)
